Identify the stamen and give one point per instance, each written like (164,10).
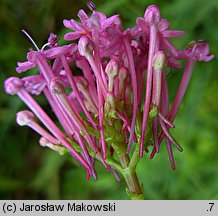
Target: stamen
(91,6)
(52,41)
(170,153)
(168,135)
(166,121)
(33,42)
(155,135)
(45,45)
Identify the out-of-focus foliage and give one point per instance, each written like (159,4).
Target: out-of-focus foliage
(27,171)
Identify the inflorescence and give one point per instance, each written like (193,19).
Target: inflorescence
(108,88)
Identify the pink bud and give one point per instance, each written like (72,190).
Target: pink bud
(43,142)
(158,65)
(109,106)
(81,83)
(24,117)
(122,76)
(112,68)
(123,73)
(13,85)
(159,60)
(152,15)
(85,46)
(112,71)
(57,86)
(110,99)
(47,143)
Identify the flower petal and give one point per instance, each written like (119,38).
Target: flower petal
(163,25)
(34,84)
(206,58)
(74,25)
(72,36)
(142,24)
(101,16)
(112,48)
(60,50)
(83,16)
(202,50)
(108,22)
(94,22)
(171,62)
(24,66)
(173,33)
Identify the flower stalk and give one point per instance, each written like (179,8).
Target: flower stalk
(129,173)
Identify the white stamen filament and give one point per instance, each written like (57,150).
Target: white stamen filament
(33,42)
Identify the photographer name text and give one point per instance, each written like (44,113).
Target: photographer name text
(70,207)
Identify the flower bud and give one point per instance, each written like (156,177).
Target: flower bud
(58,148)
(89,106)
(159,60)
(43,142)
(13,85)
(158,65)
(110,99)
(24,117)
(152,15)
(81,83)
(57,86)
(123,73)
(112,69)
(109,105)
(85,46)
(122,77)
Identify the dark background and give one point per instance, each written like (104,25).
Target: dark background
(28,171)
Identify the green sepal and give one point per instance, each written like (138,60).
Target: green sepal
(152,114)
(60,149)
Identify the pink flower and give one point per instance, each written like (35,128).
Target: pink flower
(108,90)
(195,51)
(97,21)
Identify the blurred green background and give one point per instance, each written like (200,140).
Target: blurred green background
(27,171)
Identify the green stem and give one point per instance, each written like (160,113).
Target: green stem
(133,187)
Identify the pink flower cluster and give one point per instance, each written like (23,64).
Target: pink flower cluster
(108,89)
